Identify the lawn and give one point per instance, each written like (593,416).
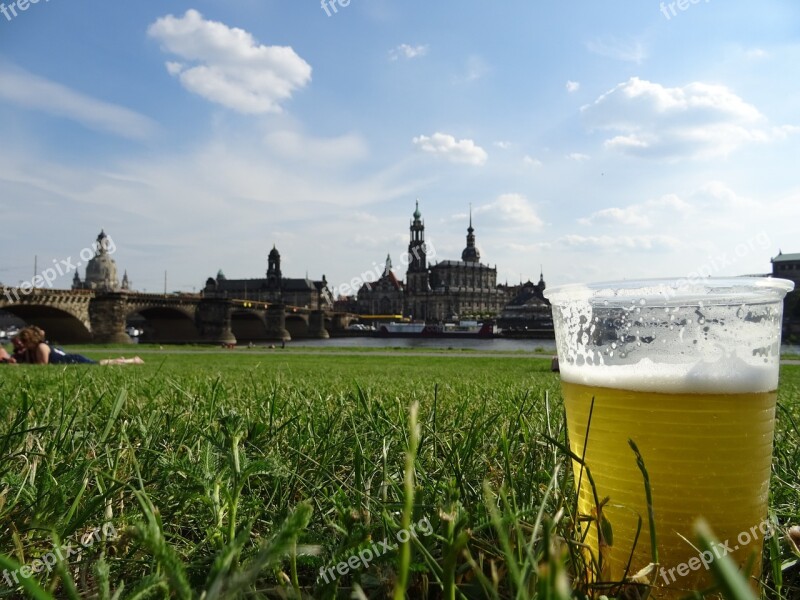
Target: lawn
(224,473)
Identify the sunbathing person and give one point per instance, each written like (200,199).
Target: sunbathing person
(6,358)
(36,351)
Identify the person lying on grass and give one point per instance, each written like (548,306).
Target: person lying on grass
(36,351)
(6,358)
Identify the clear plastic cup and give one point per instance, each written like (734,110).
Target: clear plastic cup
(688,370)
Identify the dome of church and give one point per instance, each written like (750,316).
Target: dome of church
(101,271)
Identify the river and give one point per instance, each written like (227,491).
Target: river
(483,345)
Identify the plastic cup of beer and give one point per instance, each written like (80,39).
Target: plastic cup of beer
(688,370)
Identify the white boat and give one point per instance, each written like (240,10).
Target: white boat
(400,328)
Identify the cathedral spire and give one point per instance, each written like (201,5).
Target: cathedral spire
(470,253)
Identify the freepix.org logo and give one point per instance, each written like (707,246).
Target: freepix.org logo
(61,268)
(11,11)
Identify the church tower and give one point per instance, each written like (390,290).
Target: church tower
(274,269)
(471,252)
(417,275)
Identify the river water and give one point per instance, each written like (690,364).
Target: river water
(483,345)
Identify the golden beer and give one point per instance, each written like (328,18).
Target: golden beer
(706,455)
(688,371)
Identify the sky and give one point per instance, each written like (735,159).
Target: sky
(594,141)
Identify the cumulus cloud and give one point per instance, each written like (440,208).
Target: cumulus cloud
(630,216)
(578,156)
(573,86)
(408,51)
(511,209)
(620,243)
(530,161)
(698,120)
(643,215)
(457,151)
(227,65)
(32,92)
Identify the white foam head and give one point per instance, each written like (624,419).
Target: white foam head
(712,336)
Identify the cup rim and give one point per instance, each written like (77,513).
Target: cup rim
(674,290)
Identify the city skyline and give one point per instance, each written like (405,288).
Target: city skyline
(654,139)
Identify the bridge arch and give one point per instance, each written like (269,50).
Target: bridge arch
(166,325)
(249,326)
(61,326)
(297,326)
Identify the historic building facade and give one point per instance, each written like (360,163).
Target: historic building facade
(787,266)
(304,292)
(528,313)
(382,297)
(445,290)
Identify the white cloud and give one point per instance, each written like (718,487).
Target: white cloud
(698,120)
(31,92)
(573,86)
(719,195)
(227,66)
(407,51)
(630,216)
(529,161)
(633,51)
(511,210)
(503,145)
(667,209)
(578,156)
(457,151)
(323,152)
(620,243)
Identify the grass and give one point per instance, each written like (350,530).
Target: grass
(238,474)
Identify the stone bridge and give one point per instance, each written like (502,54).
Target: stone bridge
(87,316)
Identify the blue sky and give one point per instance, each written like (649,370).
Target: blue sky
(599,140)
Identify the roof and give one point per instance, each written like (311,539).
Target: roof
(287,285)
(787,258)
(389,280)
(460,263)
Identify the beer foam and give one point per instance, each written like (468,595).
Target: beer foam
(727,375)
